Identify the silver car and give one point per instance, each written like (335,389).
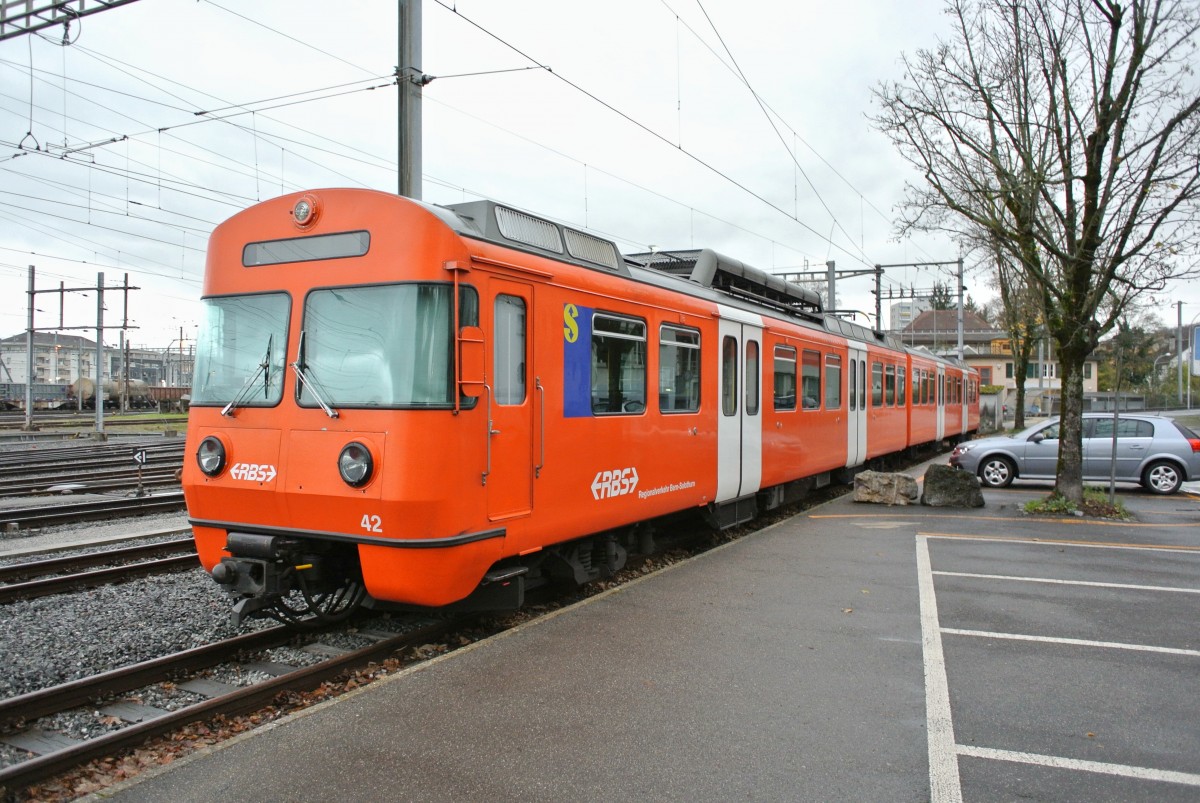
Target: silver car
(1157,452)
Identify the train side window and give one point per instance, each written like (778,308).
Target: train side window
(678,370)
(862,384)
(618,365)
(889,385)
(810,379)
(752,374)
(468,315)
(833,382)
(508,350)
(729,358)
(876,384)
(901,381)
(941,390)
(852,384)
(785,379)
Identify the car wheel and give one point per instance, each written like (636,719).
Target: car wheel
(997,472)
(1162,477)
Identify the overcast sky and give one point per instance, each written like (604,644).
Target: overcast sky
(120,151)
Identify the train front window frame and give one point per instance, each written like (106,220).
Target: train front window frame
(241,350)
(388,346)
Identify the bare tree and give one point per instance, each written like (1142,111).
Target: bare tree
(1067,131)
(1022,317)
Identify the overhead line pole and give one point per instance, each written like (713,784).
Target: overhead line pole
(30,16)
(961,287)
(99,327)
(409,81)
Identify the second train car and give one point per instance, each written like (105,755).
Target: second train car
(402,403)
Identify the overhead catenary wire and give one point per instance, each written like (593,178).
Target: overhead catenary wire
(648,130)
(304,140)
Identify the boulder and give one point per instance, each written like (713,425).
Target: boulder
(885,489)
(946,486)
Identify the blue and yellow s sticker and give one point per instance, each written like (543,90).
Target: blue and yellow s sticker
(577,361)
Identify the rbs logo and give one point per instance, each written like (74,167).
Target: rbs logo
(252,472)
(617,482)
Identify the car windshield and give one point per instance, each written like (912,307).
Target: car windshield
(1040,426)
(240,350)
(383,345)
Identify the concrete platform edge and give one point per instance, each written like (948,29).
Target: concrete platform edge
(204,752)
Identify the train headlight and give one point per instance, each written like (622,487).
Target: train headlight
(306,211)
(355,465)
(211,456)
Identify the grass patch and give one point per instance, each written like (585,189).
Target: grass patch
(1095,505)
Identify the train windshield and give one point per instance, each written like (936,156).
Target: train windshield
(240,351)
(382,345)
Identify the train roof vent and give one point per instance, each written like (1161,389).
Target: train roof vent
(501,224)
(850,329)
(592,249)
(527,229)
(710,269)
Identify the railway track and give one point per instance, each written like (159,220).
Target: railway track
(85,420)
(159,451)
(52,753)
(39,578)
(43,515)
(94,482)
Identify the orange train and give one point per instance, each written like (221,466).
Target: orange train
(401,403)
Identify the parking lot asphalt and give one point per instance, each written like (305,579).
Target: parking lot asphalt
(853,652)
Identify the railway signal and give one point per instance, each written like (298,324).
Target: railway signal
(139,457)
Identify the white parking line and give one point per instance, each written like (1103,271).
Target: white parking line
(1065,542)
(1074,642)
(944,780)
(1051,580)
(944,783)
(1058,762)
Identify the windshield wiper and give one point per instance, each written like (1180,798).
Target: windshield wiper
(264,368)
(309,384)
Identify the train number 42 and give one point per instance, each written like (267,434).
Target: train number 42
(372,524)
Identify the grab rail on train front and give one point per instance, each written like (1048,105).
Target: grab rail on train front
(491,432)
(537,383)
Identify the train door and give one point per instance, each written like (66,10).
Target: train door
(856,395)
(967,395)
(739,424)
(941,401)
(510,398)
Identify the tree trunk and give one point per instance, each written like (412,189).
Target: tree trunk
(1070,445)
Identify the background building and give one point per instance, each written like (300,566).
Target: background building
(903,313)
(989,351)
(61,359)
